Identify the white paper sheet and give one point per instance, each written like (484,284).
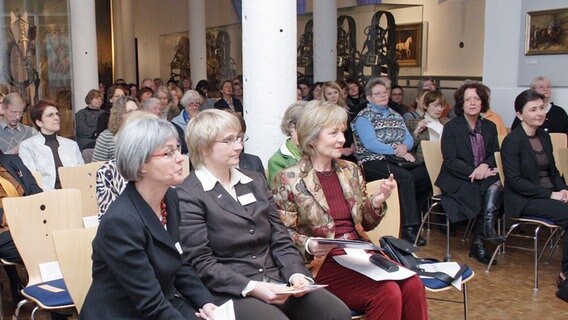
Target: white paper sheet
(449,268)
(50,271)
(90,221)
(360,263)
(226,311)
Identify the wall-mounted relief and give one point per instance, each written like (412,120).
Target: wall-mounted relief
(546,32)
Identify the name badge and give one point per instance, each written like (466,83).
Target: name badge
(178,247)
(247,199)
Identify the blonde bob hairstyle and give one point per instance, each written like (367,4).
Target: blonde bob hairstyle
(316,117)
(204,129)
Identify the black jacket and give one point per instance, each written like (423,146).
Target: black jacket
(462,199)
(521,171)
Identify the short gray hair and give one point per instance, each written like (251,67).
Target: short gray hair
(150,102)
(137,140)
(291,116)
(203,129)
(15,99)
(536,81)
(190,96)
(372,83)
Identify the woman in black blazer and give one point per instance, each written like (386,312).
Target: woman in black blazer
(533,186)
(468,177)
(138,272)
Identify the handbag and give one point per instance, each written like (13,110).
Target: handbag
(402,252)
(403,163)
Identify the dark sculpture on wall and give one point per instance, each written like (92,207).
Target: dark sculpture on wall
(220,65)
(180,66)
(347,54)
(306,52)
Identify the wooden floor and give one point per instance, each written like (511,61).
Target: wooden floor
(504,293)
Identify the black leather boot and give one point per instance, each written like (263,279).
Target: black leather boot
(410,233)
(491,205)
(478,251)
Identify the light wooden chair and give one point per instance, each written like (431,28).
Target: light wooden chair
(390,225)
(432,152)
(74,249)
(32,220)
(563,164)
(500,138)
(83,178)
(536,223)
(559,141)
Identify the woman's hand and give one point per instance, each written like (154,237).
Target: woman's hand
(400,150)
(409,157)
(420,127)
(383,193)
(479,173)
(207,311)
(298,281)
(266,292)
(561,195)
(317,249)
(347,151)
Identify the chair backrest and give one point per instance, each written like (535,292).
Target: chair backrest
(390,225)
(499,163)
(559,140)
(74,249)
(562,166)
(33,219)
(500,138)
(84,178)
(432,152)
(38,178)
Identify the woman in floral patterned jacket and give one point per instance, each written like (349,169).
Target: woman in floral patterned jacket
(323,196)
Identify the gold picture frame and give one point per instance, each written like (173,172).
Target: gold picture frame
(409,44)
(545,33)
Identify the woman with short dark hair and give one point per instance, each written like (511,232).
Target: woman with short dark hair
(86,119)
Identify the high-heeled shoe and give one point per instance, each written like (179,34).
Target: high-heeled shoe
(478,251)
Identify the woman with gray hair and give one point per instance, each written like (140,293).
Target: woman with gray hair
(190,101)
(288,154)
(163,286)
(231,231)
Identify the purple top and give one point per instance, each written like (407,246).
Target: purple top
(477,144)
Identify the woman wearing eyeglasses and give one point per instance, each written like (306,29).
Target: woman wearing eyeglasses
(138,270)
(232,233)
(379,133)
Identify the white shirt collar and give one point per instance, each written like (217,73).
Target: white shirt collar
(208,180)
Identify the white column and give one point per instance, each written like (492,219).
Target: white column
(84,50)
(197,41)
(325,40)
(269,71)
(123,41)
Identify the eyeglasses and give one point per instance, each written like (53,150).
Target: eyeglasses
(232,140)
(168,154)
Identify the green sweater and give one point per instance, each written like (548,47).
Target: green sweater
(287,155)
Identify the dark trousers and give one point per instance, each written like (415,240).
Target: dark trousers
(555,211)
(316,305)
(413,187)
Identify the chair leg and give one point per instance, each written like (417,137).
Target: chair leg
(16,315)
(448,255)
(424,219)
(34,311)
(511,229)
(559,237)
(536,231)
(465,302)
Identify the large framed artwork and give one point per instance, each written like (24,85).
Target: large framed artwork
(546,32)
(409,44)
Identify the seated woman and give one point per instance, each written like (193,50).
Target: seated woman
(468,177)
(228,101)
(288,154)
(232,234)
(47,151)
(113,93)
(380,133)
(323,196)
(333,93)
(430,126)
(417,111)
(86,119)
(105,145)
(169,110)
(162,286)
(190,101)
(533,186)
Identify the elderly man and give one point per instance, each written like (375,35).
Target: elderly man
(12,131)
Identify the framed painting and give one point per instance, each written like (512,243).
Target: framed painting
(409,44)
(546,32)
